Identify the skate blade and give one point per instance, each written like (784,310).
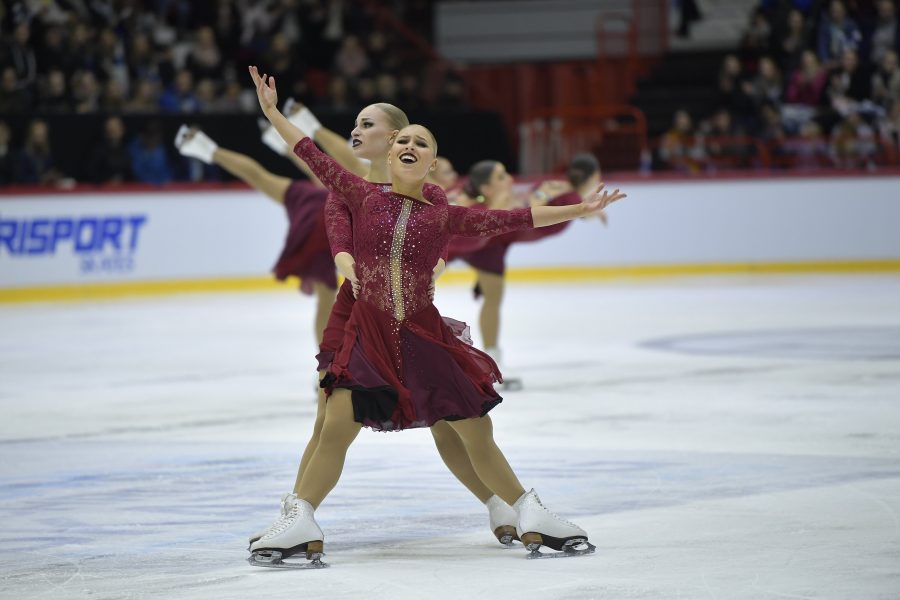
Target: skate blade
(506,535)
(273,560)
(570,548)
(512,385)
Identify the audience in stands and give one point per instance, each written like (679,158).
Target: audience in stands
(150,156)
(34,163)
(110,161)
(148,57)
(829,99)
(6,154)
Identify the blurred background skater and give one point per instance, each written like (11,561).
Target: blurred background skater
(489,186)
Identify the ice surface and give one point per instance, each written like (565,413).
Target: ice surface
(718,438)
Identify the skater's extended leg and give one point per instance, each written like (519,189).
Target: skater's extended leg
(453,452)
(248,170)
(487,459)
(492,286)
(324,468)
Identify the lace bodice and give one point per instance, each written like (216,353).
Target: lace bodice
(339,222)
(397,240)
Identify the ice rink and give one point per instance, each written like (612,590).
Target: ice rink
(732,437)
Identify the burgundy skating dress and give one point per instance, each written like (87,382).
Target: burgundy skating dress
(339,228)
(306,253)
(489,254)
(406,366)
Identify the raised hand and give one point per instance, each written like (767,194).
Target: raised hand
(265,89)
(600,199)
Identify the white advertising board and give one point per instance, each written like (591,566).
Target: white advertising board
(90,238)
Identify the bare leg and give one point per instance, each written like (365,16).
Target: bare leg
(324,467)
(251,172)
(453,452)
(489,320)
(490,464)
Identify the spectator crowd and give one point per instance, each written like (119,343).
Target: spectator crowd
(814,84)
(151,57)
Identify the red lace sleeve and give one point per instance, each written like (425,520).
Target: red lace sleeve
(484,223)
(436,195)
(352,188)
(338,225)
(539,233)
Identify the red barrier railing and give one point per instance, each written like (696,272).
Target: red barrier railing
(705,154)
(617,135)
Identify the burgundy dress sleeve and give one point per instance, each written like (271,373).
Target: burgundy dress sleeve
(351,187)
(338,225)
(539,233)
(485,223)
(436,194)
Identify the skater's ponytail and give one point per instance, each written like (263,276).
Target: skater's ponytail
(479,174)
(582,168)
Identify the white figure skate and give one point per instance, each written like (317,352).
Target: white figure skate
(195,143)
(271,138)
(301,117)
(294,532)
(284,506)
(539,527)
(503,520)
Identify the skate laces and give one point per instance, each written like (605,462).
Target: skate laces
(553,514)
(284,502)
(288,513)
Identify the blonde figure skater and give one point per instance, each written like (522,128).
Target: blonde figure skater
(399,364)
(368,156)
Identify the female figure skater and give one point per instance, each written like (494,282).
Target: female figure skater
(306,253)
(370,142)
(400,365)
(489,186)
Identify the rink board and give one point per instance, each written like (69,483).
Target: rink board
(172,241)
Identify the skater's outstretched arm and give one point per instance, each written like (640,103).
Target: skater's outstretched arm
(481,223)
(328,140)
(593,204)
(251,172)
(268,101)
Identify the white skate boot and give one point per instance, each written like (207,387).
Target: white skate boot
(272,139)
(259,534)
(195,143)
(539,527)
(302,117)
(511,382)
(503,520)
(294,532)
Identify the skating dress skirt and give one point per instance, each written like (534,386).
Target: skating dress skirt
(406,365)
(306,253)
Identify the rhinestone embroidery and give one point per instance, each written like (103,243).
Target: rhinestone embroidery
(397,260)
